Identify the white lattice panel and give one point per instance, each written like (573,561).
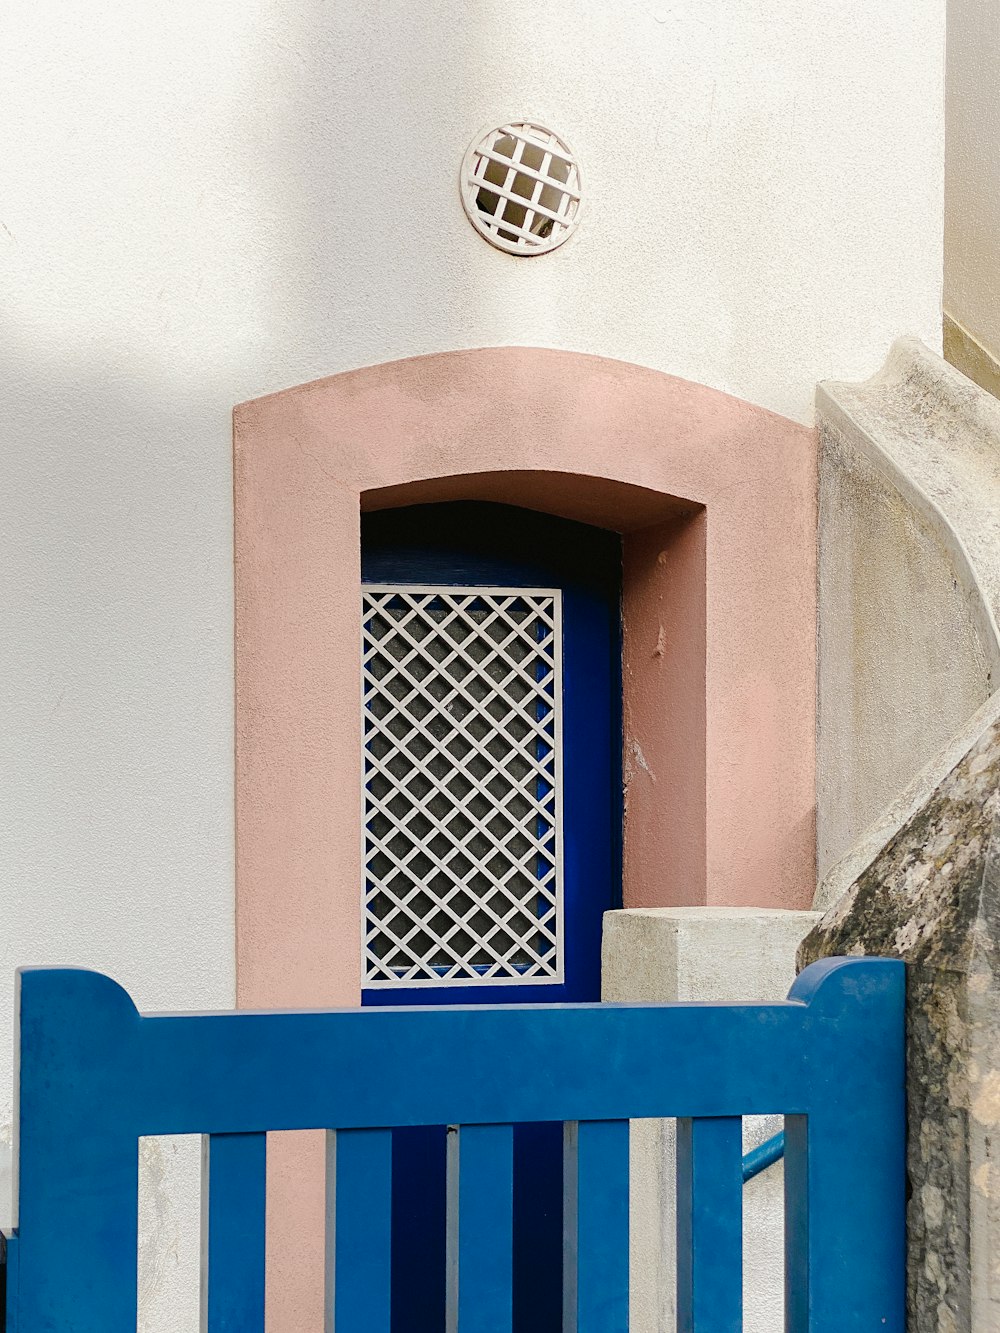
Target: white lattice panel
(462,785)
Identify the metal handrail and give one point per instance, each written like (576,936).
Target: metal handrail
(764,1155)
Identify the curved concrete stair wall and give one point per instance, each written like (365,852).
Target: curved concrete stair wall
(909,558)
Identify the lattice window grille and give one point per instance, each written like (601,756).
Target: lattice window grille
(462,785)
(521,188)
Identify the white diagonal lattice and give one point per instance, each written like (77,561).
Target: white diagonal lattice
(462,785)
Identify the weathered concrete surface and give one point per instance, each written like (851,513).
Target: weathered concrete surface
(700,953)
(844,874)
(932,897)
(909,554)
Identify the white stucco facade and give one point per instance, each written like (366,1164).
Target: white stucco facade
(206,202)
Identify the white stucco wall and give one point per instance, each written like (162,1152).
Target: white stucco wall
(972,214)
(205,202)
(244,195)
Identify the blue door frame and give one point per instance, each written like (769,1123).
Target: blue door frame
(481,544)
(94,1075)
(465,544)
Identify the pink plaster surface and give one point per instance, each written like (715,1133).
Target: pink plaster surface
(716,499)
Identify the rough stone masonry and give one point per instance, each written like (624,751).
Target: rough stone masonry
(932,898)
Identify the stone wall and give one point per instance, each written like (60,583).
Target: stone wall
(932,897)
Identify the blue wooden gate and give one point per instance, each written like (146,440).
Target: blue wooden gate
(95,1075)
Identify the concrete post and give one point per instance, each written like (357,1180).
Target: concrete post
(700,953)
(932,897)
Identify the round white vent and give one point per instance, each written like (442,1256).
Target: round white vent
(521,188)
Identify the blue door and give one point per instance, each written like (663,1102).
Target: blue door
(492,795)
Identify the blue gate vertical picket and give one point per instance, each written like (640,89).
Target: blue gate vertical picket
(845,1161)
(710,1225)
(480,1228)
(845,1247)
(361,1234)
(596,1226)
(79,1206)
(235,1179)
(77,1149)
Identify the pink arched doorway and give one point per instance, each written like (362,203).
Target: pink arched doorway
(715,499)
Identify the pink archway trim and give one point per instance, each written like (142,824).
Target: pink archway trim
(716,499)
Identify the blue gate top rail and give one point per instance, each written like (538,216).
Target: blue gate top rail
(94,1075)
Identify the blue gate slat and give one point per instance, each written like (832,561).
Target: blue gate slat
(236,1181)
(845,1175)
(480,1228)
(362,1230)
(845,1247)
(77,1235)
(596,1226)
(710,1225)
(243,1072)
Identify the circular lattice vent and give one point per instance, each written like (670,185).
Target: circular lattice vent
(521,188)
